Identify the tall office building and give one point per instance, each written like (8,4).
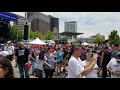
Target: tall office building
(54,26)
(71,27)
(42,23)
(39,21)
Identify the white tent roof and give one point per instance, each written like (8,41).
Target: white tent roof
(37,41)
(51,41)
(85,44)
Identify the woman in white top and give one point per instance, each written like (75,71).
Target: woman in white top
(41,59)
(93,73)
(76,68)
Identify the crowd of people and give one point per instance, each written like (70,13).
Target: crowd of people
(82,61)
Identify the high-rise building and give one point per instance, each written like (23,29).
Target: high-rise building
(39,21)
(71,27)
(54,25)
(43,23)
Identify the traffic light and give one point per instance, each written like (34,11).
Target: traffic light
(26,29)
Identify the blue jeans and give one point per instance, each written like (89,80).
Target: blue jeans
(22,69)
(33,65)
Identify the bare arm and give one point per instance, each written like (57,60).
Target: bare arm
(88,69)
(101,60)
(96,68)
(29,57)
(88,64)
(15,57)
(46,63)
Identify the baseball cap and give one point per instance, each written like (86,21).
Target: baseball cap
(118,57)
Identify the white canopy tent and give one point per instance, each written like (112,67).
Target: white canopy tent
(85,44)
(37,41)
(51,41)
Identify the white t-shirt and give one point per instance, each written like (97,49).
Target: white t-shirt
(92,74)
(114,66)
(39,64)
(75,68)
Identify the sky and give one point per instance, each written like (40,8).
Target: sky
(89,23)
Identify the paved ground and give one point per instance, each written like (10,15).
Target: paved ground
(17,75)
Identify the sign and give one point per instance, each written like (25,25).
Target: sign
(8,16)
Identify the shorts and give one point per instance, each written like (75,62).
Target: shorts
(59,62)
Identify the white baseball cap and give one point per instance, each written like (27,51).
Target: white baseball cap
(118,57)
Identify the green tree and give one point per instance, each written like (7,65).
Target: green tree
(78,41)
(16,34)
(114,37)
(20,35)
(13,33)
(39,35)
(49,35)
(32,35)
(99,39)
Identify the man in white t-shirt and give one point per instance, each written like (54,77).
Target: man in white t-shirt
(114,66)
(10,49)
(76,68)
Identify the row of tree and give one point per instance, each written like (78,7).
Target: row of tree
(17,34)
(113,38)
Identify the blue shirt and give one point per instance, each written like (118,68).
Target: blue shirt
(59,56)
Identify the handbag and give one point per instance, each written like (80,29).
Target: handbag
(28,66)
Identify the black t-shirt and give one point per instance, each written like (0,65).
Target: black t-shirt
(22,55)
(107,58)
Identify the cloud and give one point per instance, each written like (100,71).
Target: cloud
(89,23)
